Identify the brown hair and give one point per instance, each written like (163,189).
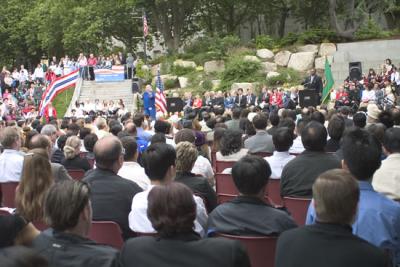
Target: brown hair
(72,143)
(171,209)
(36,179)
(186,156)
(336,194)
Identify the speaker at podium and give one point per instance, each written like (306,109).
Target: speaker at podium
(308,98)
(174,104)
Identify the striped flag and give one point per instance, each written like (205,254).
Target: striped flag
(161,101)
(145,26)
(56,87)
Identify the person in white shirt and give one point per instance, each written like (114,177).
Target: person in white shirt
(159,164)
(38,74)
(23,75)
(130,169)
(297,146)
(283,140)
(11,160)
(368,95)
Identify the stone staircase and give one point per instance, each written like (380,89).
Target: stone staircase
(114,91)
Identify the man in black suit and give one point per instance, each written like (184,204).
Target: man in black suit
(250,98)
(314,82)
(111,194)
(330,242)
(240,99)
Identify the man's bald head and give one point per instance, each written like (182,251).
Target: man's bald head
(40,141)
(107,152)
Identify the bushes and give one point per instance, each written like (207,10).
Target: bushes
(181,71)
(207,85)
(171,83)
(371,30)
(265,41)
(286,76)
(239,70)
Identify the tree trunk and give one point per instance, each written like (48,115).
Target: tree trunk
(393,20)
(282,22)
(333,20)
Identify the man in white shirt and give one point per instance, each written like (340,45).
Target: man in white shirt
(130,169)
(159,165)
(283,140)
(297,146)
(11,160)
(386,179)
(23,75)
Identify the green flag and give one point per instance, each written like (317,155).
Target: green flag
(328,82)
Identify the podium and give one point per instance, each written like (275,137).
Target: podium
(308,98)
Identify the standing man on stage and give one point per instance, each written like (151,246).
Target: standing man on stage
(149,102)
(314,82)
(92,62)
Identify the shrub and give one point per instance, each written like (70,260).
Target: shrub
(314,36)
(143,72)
(265,41)
(207,85)
(286,76)
(181,71)
(371,30)
(171,83)
(221,46)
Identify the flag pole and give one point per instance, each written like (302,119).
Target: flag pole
(144,39)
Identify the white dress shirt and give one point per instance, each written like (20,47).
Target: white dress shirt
(387,178)
(11,162)
(138,221)
(297,146)
(277,161)
(133,171)
(203,167)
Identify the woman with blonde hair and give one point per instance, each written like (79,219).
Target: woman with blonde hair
(72,151)
(36,179)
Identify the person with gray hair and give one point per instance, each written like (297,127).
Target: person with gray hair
(51,131)
(69,214)
(11,160)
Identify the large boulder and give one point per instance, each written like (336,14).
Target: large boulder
(327,49)
(269,66)
(282,58)
(320,62)
(302,61)
(183,82)
(168,77)
(308,48)
(265,54)
(272,74)
(244,86)
(155,68)
(251,58)
(214,66)
(185,63)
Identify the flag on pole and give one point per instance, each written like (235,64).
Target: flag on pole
(161,101)
(145,26)
(329,82)
(56,87)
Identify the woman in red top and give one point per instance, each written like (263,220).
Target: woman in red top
(198,102)
(275,99)
(50,112)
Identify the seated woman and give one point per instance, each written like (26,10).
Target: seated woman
(72,159)
(231,146)
(171,211)
(36,179)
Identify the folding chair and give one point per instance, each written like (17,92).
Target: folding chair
(220,166)
(274,191)
(106,232)
(76,174)
(298,208)
(8,193)
(225,187)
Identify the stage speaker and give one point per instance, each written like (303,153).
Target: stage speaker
(355,71)
(136,85)
(308,98)
(174,104)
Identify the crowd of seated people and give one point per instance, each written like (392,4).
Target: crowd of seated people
(159,182)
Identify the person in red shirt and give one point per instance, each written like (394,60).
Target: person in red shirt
(275,99)
(342,97)
(50,112)
(198,102)
(92,62)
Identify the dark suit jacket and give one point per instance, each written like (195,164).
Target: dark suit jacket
(76,163)
(298,177)
(316,84)
(252,101)
(111,197)
(63,249)
(182,251)
(200,186)
(327,245)
(242,103)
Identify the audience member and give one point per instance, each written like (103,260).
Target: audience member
(336,128)
(360,120)
(297,176)
(89,142)
(171,210)
(274,120)
(67,208)
(186,156)
(283,140)
(233,124)
(378,218)
(58,154)
(102,128)
(72,150)
(141,133)
(21,257)
(330,241)
(386,179)
(51,131)
(297,146)
(231,146)
(11,160)
(262,141)
(159,164)
(111,194)
(131,169)
(15,231)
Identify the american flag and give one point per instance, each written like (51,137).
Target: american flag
(145,26)
(161,101)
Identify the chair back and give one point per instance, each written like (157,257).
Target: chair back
(261,249)
(214,161)
(225,187)
(274,191)
(106,232)
(76,174)
(298,208)
(220,166)
(8,193)
(40,225)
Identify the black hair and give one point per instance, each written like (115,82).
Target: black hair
(361,153)
(138,119)
(250,174)
(73,128)
(318,116)
(274,118)
(236,113)
(89,142)
(83,132)
(336,127)
(260,121)
(61,141)
(314,136)
(158,138)
(157,159)
(391,140)
(283,139)
(162,127)
(231,142)
(19,256)
(360,120)
(130,146)
(386,118)
(115,129)
(287,122)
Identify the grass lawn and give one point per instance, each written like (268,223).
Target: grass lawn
(61,102)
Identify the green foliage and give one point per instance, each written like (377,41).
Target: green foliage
(143,72)
(315,36)
(62,101)
(286,77)
(265,41)
(207,85)
(171,83)
(221,46)
(371,30)
(239,70)
(181,71)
